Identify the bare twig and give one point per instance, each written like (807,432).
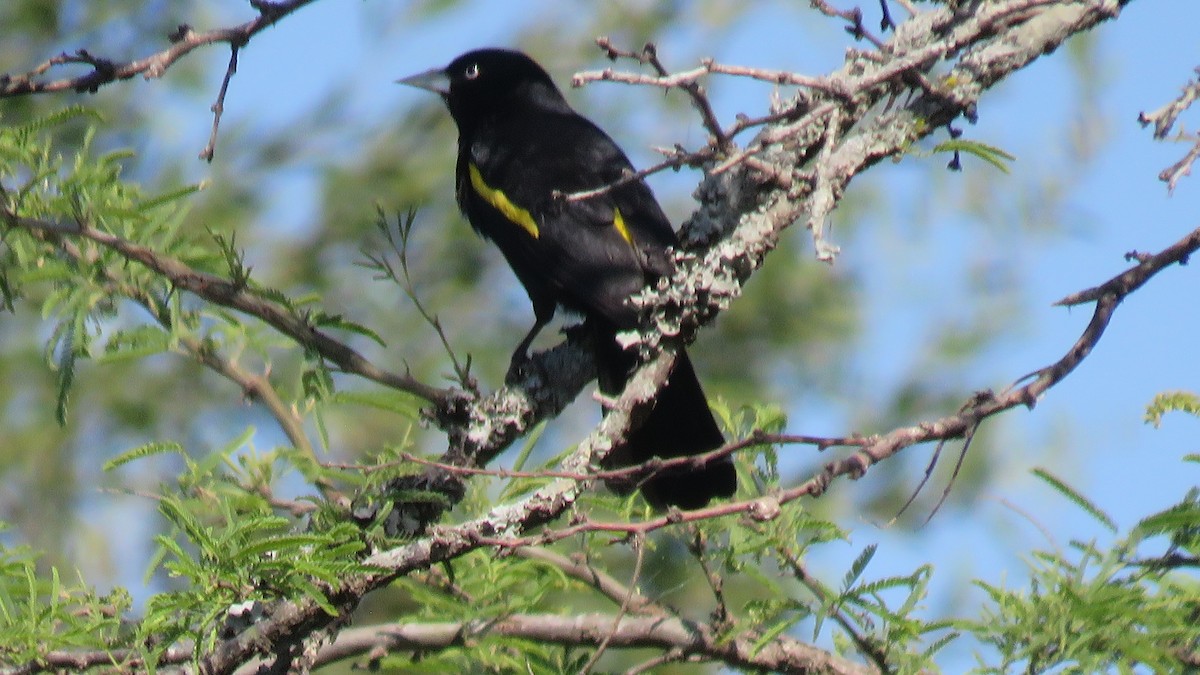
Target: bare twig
(635,472)
(958,464)
(183,41)
(854,17)
(397,240)
(1164,120)
(649,55)
(104,71)
(126,660)
(678,158)
(1174,173)
(686,78)
(698,546)
(218,106)
(978,398)
(929,467)
(1132,279)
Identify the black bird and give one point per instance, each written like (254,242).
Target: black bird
(521,150)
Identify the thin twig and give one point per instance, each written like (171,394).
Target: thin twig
(614,590)
(929,467)
(649,56)
(1165,117)
(639,472)
(685,78)
(698,547)
(104,71)
(639,547)
(218,106)
(676,160)
(978,398)
(398,239)
(1174,173)
(1132,279)
(853,16)
(669,656)
(962,456)
(183,40)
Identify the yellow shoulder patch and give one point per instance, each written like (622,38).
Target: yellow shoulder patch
(502,203)
(619,223)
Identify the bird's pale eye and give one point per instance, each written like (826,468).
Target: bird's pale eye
(472,71)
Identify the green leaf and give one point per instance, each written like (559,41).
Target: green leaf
(147,450)
(337,321)
(66,373)
(173,510)
(1180,518)
(531,440)
(137,342)
(57,118)
(988,153)
(387,400)
(884,584)
(1172,401)
(7,293)
(280,544)
(939,643)
(1079,500)
(856,570)
(773,632)
(235,259)
(146,205)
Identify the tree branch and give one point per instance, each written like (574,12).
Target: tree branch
(580,570)
(226,293)
(782,654)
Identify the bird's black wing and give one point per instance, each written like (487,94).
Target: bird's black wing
(589,255)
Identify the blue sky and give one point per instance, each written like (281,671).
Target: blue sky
(1088,430)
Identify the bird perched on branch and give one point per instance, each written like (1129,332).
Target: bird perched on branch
(522,153)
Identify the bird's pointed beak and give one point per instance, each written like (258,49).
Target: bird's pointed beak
(434,80)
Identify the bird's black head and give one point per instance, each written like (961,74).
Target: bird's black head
(488,82)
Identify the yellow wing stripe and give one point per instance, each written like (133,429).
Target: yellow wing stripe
(619,223)
(502,203)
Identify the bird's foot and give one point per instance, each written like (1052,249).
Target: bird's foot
(519,368)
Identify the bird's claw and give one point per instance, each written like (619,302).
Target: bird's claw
(519,368)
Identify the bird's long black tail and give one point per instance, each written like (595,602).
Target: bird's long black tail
(679,424)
